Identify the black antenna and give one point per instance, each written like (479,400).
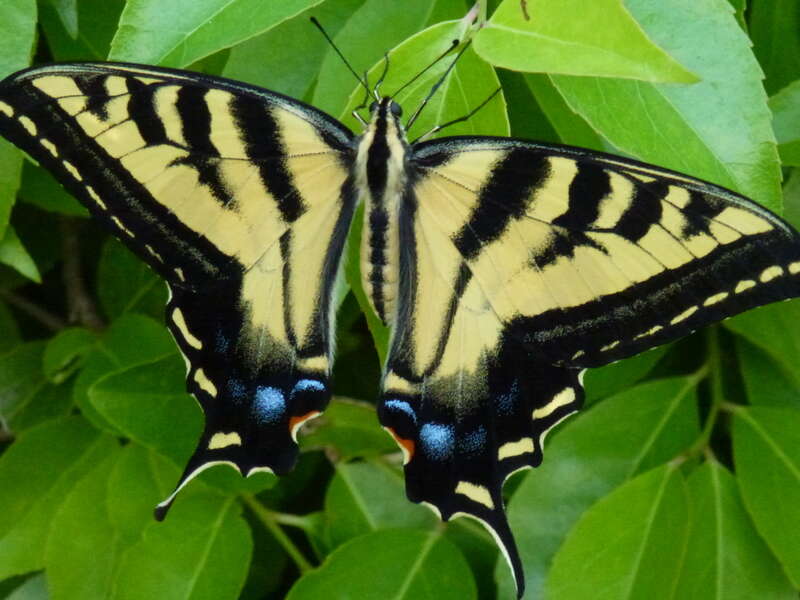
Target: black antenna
(436,86)
(425,70)
(344,60)
(382,77)
(438,128)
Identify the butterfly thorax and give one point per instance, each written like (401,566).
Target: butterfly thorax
(380,174)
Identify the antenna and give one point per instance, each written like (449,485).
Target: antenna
(425,70)
(436,86)
(344,60)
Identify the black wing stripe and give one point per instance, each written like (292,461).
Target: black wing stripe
(262,138)
(142,110)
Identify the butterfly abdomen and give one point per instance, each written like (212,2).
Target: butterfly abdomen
(380,174)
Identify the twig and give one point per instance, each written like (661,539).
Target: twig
(81,306)
(44,316)
(269,520)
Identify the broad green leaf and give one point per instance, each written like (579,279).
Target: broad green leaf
(148,403)
(785,107)
(573,37)
(396,563)
(480,550)
(179,33)
(571,127)
(611,442)
(630,544)
(767,382)
(66,351)
(39,189)
(272,60)
(775,31)
(766,447)
(718,129)
(35,588)
(21,378)
(83,548)
(126,284)
(614,378)
(725,557)
(14,254)
(68,14)
(17,34)
(349,428)
(368,33)
(775,329)
(367,496)
(97,23)
(200,552)
(130,340)
(36,474)
(526,113)
(471,82)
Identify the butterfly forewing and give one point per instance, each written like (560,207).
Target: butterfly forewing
(220,187)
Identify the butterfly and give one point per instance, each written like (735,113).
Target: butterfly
(504,267)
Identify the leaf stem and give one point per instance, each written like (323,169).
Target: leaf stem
(271,519)
(712,368)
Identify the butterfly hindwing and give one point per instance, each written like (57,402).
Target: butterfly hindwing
(524,264)
(221,188)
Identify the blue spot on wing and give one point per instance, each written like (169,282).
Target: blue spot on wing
(236,389)
(308,384)
(437,440)
(403,406)
(269,405)
(506,402)
(472,442)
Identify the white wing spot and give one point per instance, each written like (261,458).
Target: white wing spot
(684,315)
(72,170)
(743,285)
(476,493)
(794,268)
(205,383)
(223,440)
(180,323)
(119,224)
(715,298)
(650,331)
(29,125)
(562,398)
(50,147)
(610,346)
(6,109)
(770,273)
(93,195)
(511,449)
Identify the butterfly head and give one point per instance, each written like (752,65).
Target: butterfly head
(385,106)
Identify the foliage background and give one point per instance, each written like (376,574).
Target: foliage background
(681,479)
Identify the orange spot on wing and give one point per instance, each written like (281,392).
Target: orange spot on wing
(406,445)
(295,422)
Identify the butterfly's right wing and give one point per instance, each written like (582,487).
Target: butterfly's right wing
(240,199)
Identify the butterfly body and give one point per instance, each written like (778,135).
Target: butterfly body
(504,267)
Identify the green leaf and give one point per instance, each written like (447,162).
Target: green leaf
(766,446)
(785,107)
(271,60)
(604,41)
(21,378)
(8,326)
(66,351)
(725,557)
(569,125)
(718,129)
(83,548)
(612,441)
(36,474)
(39,189)
(775,31)
(35,588)
(126,284)
(367,496)
(13,254)
(148,403)
(775,329)
(399,564)
(177,34)
(370,31)
(17,34)
(630,544)
(350,428)
(68,14)
(618,376)
(116,351)
(200,552)
(97,23)
(767,381)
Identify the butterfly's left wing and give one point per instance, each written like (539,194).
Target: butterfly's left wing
(240,198)
(522,265)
